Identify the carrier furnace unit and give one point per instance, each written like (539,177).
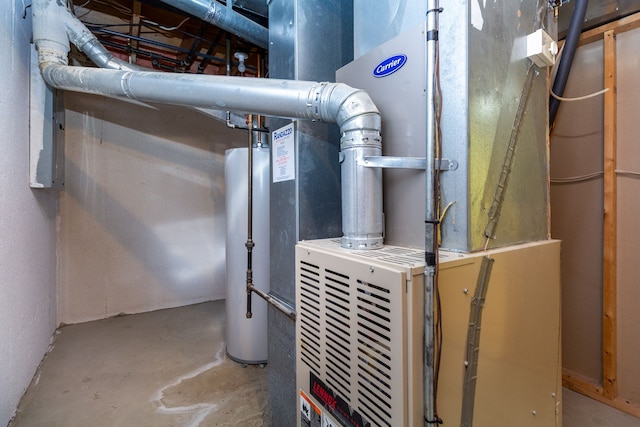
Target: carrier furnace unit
(359,336)
(359,330)
(484,74)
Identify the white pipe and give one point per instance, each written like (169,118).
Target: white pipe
(352,109)
(50,32)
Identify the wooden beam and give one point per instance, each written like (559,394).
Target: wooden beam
(581,384)
(625,405)
(609,285)
(136,17)
(619,26)
(589,388)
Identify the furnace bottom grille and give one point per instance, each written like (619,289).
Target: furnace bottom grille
(351,330)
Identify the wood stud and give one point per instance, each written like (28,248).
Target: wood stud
(607,392)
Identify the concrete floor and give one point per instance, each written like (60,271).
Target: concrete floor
(168,368)
(582,411)
(164,368)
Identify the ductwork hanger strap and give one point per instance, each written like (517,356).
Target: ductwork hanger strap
(433,34)
(405,163)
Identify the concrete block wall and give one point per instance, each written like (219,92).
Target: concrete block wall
(27,224)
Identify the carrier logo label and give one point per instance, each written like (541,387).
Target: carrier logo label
(389,65)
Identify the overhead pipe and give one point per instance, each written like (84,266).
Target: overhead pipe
(351,109)
(212,47)
(88,43)
(568,53)
(221,16)
(206,56)
(195,47)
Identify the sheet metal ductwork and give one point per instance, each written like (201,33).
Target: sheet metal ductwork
(224,17)
(352,109)
(54,27)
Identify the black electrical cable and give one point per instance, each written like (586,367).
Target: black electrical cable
(194,46)
(204,61)
(99,30)
(141,52)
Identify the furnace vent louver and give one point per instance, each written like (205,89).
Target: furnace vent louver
(358,333)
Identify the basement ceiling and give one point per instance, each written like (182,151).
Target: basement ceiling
(153,34)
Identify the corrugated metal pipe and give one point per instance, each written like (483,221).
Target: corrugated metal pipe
(352,109)
(224,17)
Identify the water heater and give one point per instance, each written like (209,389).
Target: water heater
(246,339)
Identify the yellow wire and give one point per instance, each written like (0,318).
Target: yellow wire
(444,212)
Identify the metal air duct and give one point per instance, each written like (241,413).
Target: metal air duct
(352,109)
(225,18)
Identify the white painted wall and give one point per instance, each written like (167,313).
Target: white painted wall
(27,224)
(142,213)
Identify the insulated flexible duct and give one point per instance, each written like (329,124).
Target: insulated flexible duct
(568,52)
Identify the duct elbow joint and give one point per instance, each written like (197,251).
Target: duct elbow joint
(357,111)
(360,127)
(49,34)
(50,52)
(351,109)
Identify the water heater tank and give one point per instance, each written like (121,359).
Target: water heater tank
(246,339)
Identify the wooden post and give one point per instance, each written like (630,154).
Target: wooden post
(135,29)
(609,326)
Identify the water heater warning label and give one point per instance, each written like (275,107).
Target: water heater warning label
(310,414)
(283,154)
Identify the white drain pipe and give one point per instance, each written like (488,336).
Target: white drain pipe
(352,109)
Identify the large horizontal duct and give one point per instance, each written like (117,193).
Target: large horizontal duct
(224,17)
(352,109)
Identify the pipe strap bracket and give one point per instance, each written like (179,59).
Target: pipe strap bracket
(406,163)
